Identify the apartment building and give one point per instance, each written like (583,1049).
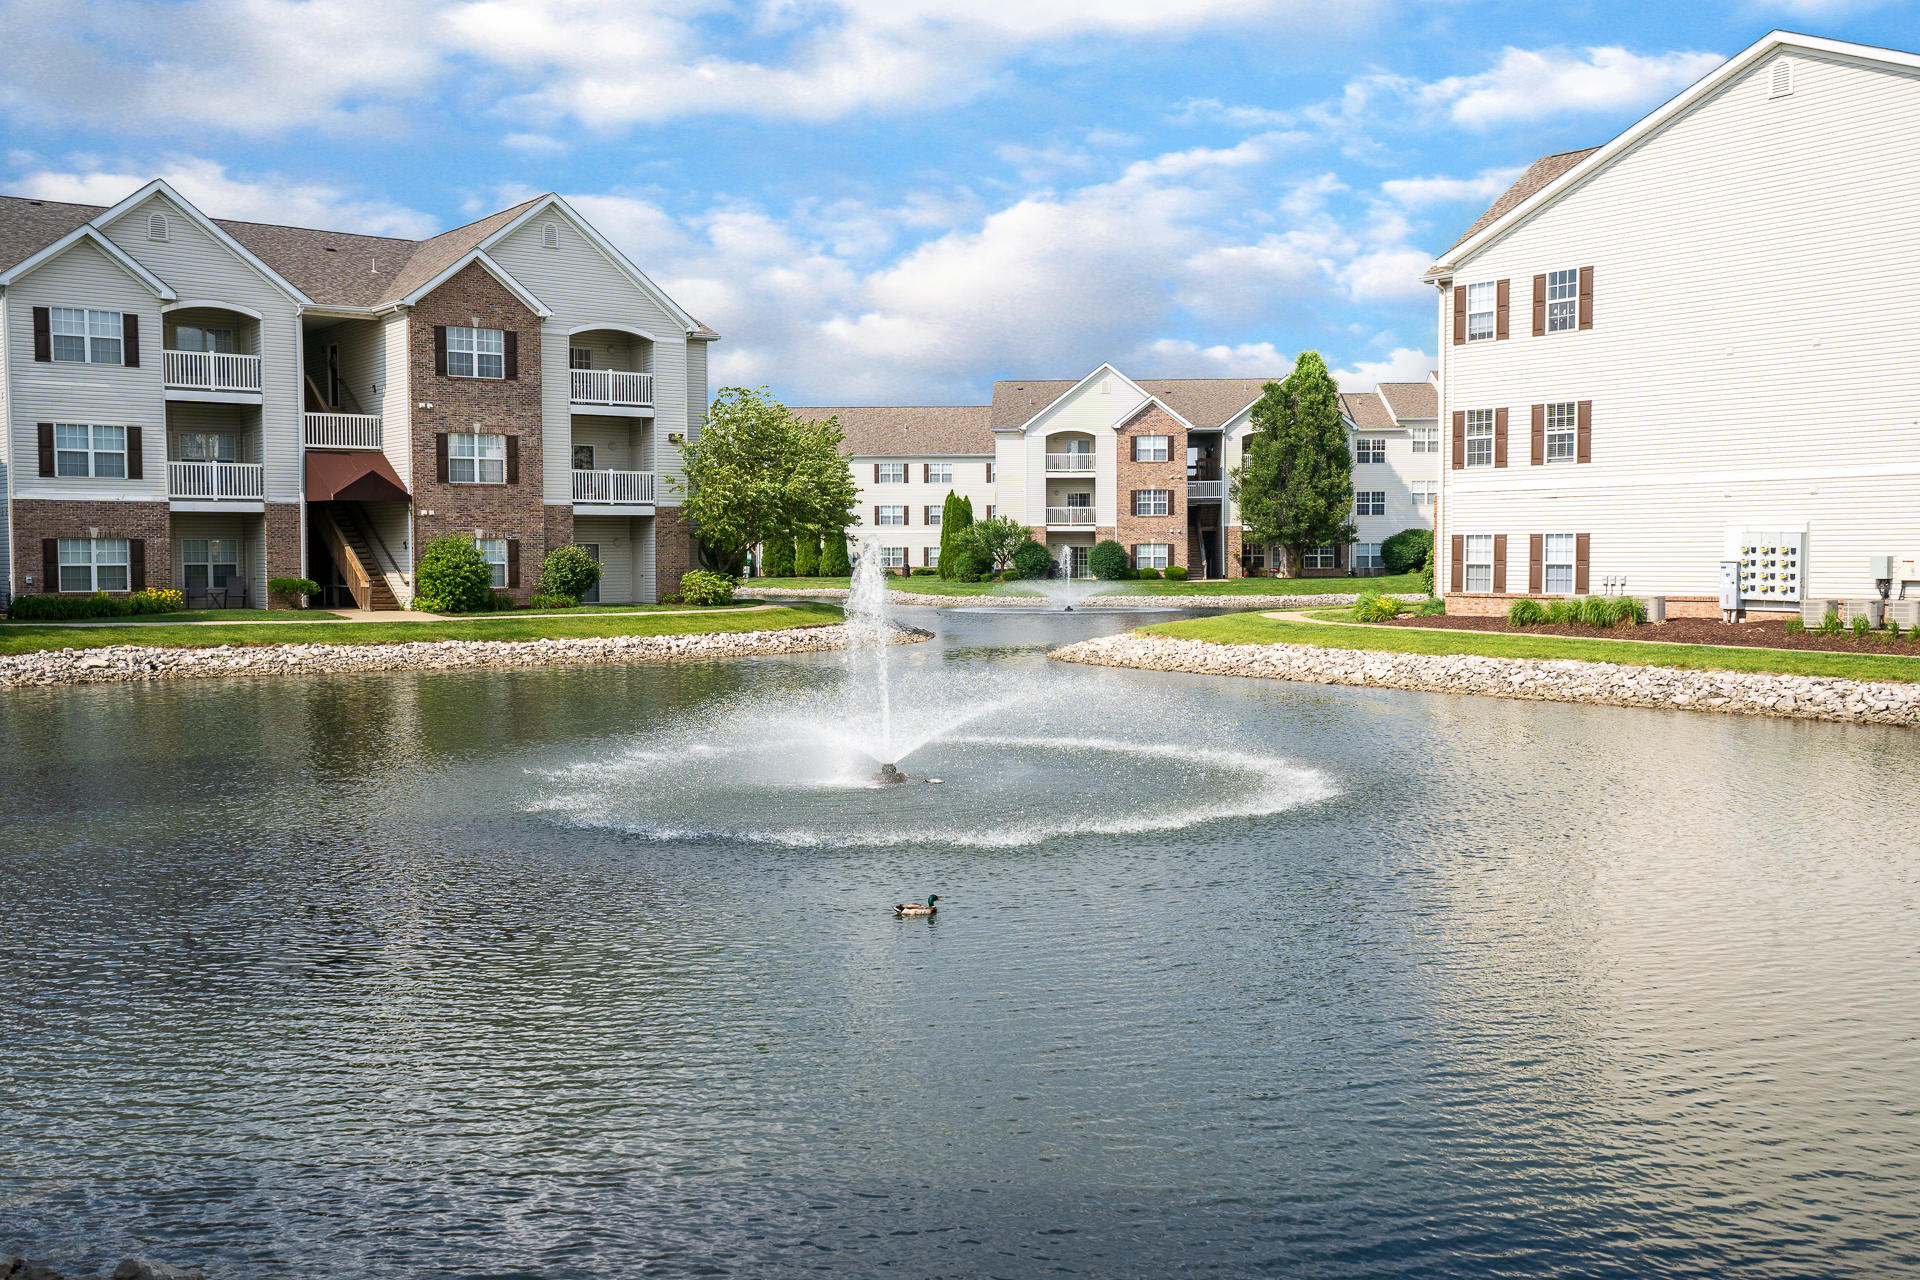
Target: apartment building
(209,404)
(1684,356)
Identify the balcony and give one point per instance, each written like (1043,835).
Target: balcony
(613,488)
(1206,490)
(215,373)
(216,482)
(597,390)
(343,431)
(1072,517)
(1070,462)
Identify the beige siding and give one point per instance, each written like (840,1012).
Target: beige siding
(392,524)
(616,540)
(395,407)
(1094,410)
(1010,476)
(248,528)
(969,481)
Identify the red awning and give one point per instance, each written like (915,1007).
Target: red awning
(352,477)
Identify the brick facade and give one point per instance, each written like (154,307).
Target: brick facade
(36,519)
(510,406)
(1236,545)
(1171,529)
(1480,604)
(282,527)
(672,549)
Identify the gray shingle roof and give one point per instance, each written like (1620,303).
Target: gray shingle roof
(1411,399)
(907,430)
(1366,411)
(1538,175)
(28,226)
(1205,402)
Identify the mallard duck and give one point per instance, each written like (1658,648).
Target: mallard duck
(918,908)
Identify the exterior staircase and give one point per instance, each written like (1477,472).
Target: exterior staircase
(352,552)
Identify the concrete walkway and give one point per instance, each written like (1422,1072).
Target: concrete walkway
(279,617)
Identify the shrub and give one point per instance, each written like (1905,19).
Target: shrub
(156,600)
(967,565)
(567,571)
(1147,572)
(1860,624)
(1431,607)
(1426,574)
(1375,607)
(806,556)
(1031,560)
(296,588)
(1108,561)
(777,562)
(925,571)
(1796,626)
(1830,625)
(1526,612)
(452,578)
(702,586)
(542,601)
(1177,572)
(834,561)
(51,608)
(1406,550)
(673,598)
(1893,629)
(1596,611)
(1563,612)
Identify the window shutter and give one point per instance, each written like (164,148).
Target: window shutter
(926,473)
(1540,306)
(1456,560)
(876,473)
(1583,432)
(1499,437)
(130,340)
(1459,314)
(1502,296)
(136,456)
(513,561)
(137,563)
(513,459)
(1459,439)
(440,456)
(1582,545)
(42,335)
(1539,445)
(1536,561)
(1499,563)
(440,352)
(49,565)
(46,449)
(511,341)
(876,517)
(1586,297)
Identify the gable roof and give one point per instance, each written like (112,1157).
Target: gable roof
(28,226)
(90,234)
(1538,175)
(1411,399)
(908,430)
(1367,411)
(1206,403)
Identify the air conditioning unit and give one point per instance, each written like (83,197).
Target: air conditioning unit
(1904,612)
(1873,611)
(1814,612)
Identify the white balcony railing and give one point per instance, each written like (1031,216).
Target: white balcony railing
(612,386)
(1070,515)
(244,481)
(630,488)
(1206,490)
(343,431)
(212,371)
(1070,462)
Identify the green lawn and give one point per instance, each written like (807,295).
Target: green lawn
(615,608)
(1252,628)
(928,585)
(1401,584)
(199,615)
(26,637)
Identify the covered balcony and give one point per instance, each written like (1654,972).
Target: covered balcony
(216,482)
(614,492)
(1070,517)
(343,431)
(1070,454)
(610,370)
(208,353)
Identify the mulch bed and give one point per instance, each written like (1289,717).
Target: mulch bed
(1746,635)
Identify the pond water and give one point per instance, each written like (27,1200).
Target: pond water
(587,972)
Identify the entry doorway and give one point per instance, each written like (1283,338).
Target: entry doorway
(1075,562)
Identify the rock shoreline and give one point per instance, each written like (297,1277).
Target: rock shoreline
(111,664)
(1534,679)
(16,1268)
(1042,602)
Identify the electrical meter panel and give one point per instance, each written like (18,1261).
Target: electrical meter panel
(1772,564)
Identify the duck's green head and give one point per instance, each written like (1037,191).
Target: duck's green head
(932,898)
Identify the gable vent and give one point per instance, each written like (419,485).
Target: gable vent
(156,226)
(1780,83)
(550,236)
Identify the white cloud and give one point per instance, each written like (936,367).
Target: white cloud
(535,144)
(1528,84)
(1179,358)
(1403,364)
(1418,193)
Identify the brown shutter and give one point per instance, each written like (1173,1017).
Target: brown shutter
(1459,314)
(876,473)
(876,517)
(1456,560)
(1459,439)
(1583,432)
(1539,441)
(1540,306)
(511,341)
(49,565)
(1536,561)
(1502,296)
(513,562)
(42,335)
(46,449)
(440,456)
(1582,545)
(513,459)
(440,351)
(1499,563)
(1499,437)
(137,563)
(926,473)
(130,340)
(136,456)
(1586,297)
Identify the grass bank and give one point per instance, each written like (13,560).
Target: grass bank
(189,615)
(1252,628)
(926,586)
(20,637)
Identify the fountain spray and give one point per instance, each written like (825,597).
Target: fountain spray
(869,627)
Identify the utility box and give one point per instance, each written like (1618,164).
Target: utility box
(1772,565)
(1874,611)
(1880,568)
(1904,612)
(1657,608)
(1814,612)
(1732,577)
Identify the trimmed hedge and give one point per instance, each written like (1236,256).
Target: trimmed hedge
(57,608)
(701,586)
(452,578)
(1108,561)
(834,560)
(1177,572)
(1406,550)
(568,571)
(1031,560)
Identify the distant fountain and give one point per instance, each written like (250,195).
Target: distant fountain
(1067,592)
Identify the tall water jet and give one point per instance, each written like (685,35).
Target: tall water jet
(870,635)
(1066,592)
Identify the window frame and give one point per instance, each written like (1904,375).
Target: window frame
(231,443)
(1152,555)
(475,459)
(1569,544)
(1366,555)
(884,473)
(98,552)
(466,342)
(1369,450)
(1489,292)
(1479,431)
(1369,502)
(931,513)
(1563,301)
(1143,503)
(1474,567)
(1426,493)
(497,567)
(1562,428)
(893,558)
(579,358)
(1424,439)
(92,452)
(939,473)
(882,511)
(1161,452)
(115,333)
(211,563)
(1326,557)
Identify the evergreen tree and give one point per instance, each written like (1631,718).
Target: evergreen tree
(1296,485)
(778,560)
(955,518)
(806,555)
(834,561)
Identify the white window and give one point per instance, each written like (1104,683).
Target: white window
(939,473)
(476,353)
(156,226)
(893,557)
(890,473)
(1320,558)
(1481,299)
(1479,562)
(1562,431)
(1152,502)
(930,556)
(210,562)
(94,564)
(931,514)
(193,337)
(86,337)
(1479,437)
(1563,300)
(579,357)
(1425,492)
(476,459)
(1366,556)
(1426,439)
(1370,502)
(1152,555)
(890,515)
(1369,449)
(1559,564)
(549,235)
(494,552)
(1152,449)
(83,450)
(206,446)
(1080,499)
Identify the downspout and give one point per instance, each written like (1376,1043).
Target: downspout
(300,425)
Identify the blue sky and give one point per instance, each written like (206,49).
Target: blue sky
(893,201)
